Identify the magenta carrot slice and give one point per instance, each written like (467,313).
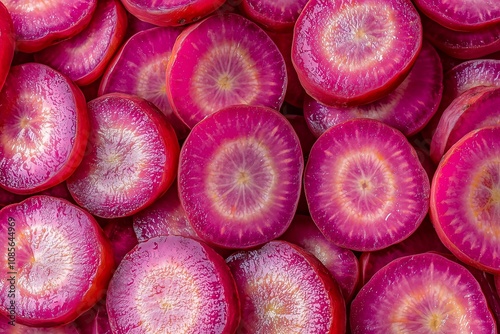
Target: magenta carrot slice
(134,25)
(15,328)
(165,216)
(462,44)
(355,51)
(62,261)
(84,57)
(462,15)
(408,108)
(7,43)
(43,23)
(171,12)
(121,236)
(365,186)
(273,15)
(139,69)
(465,199)
(283,288)
(173,285)
(95,320)
(43,129)
(239,64)
(473,109)
(340,262)
(131,157)
(424,293)
(240,174)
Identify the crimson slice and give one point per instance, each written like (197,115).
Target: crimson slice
(355,51)
(131,158)
(43,128)
(239,64)
(273,15)
(7,43)
(240,173)
(63,261)
(365,186)
(172,284)
(284,289)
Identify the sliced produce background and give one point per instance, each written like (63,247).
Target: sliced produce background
(250,166)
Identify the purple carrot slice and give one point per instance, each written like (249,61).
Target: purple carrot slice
(355,51)
(83,58)
(61,264)
(465,199)
(131,157)
(475,108)
(273,15)
(282,287)
(43,129)
(134,25)
(38,24)
(7,43)
(121,236)
(340,262)
(239,64)
(95,320)
(424,293)
(8,327)
(460,44)
(461,15)
(165,216)
(171,12)
(139,69)
(365,186)
(408,108)
(172,285)
(424,239)
(240,173)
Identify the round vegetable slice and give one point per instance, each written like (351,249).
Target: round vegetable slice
(365,186)
(424,293)
(131,157)
(408,108)
(239,64)
(462,15)
(43,129)
(7,43)
(273,15)
(340,262)
(139,69)
(465,199)
(84,57)
(240,174)
(355,51)
(171,12)
(172,285)
(284,289)
(56,256)
(38,24)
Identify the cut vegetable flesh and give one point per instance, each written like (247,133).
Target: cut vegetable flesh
(340,262)
(475,108)
(423,293)
(465,199)
(62,263)
(7,43)
(284,289)
(273,15)
(39,24)
(171,12)
(139,69)
(172,285)
(408,108)
(365,186)
(239,64)
(131,157)
(165,216)
(84,57)
(240,175)
(355,52)
(462,15)
(460,44)
(43,129)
